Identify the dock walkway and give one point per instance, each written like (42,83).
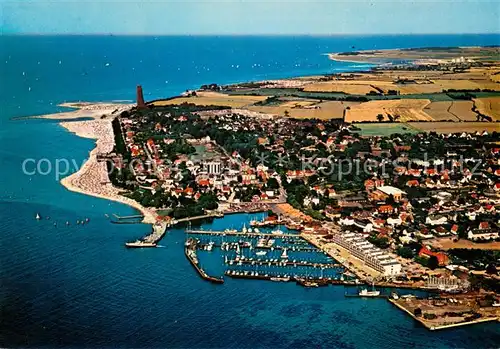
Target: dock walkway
(284,263)
(229,233)
(190,252)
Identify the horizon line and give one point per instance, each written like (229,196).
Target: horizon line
(243,35)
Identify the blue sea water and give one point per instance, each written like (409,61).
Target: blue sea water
(77,286)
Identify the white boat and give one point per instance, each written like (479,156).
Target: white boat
(282,279)
(395,296)
(365,293)
(38,217)
(373,293)
(284,255)
(244,229)
(261,253)
(277,232)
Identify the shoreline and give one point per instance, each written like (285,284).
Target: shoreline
(82,110)
(92,178)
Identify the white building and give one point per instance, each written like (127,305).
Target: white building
(482,235)
(372,256)
(213,167)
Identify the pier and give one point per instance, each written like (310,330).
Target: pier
(239,233)
(120,218)
(282,263)
(151,240)
(190,252)
(303,281)
(233,246)
(196,218)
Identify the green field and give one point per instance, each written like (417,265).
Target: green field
(384,129)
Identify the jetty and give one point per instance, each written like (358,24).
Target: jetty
(282,263)
(197,218)
(300,280)
(120,218)
(238,233)
(190,252)
(151,240)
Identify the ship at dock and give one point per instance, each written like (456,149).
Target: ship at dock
(369,293)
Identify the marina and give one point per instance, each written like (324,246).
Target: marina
(268,256)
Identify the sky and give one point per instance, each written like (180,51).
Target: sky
(240,17)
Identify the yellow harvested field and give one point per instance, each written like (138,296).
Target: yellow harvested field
(467,84)
(358,87)
(489,106)
(214,98)
(463,110)
(406,109)
(439,111)
(421,87)
(454,127)
(339,86)
(495,76)
(460,81)
(298,104)
(307,110)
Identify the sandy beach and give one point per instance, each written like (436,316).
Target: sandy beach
(92,178)
(86,110)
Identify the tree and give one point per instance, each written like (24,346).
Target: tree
(272,183)
(390,200)
(380,117)
(286,113)
(433,263)
(405,252)
(491,269)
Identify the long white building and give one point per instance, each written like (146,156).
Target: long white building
(373,257)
